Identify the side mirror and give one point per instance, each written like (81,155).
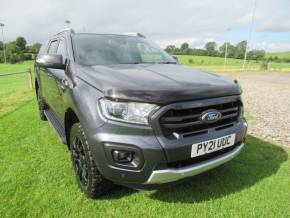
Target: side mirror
(175,58)
(51,61)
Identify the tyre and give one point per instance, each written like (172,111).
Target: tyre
(41,105)
(88,177)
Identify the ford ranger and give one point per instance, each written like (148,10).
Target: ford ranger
(130,114)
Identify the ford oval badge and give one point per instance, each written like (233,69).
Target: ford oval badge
(211,116)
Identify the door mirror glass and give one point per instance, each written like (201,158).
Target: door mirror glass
(51,61)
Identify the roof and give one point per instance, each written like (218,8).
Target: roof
(70,30)
(66,30)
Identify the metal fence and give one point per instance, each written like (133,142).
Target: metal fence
(12,82)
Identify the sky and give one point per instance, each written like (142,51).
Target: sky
(163,21)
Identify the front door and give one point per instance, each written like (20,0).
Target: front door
(46,76)
(60,83)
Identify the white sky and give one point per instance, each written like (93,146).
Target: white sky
(164,21)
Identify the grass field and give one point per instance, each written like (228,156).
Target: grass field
(13,88)
(16,82)
(12,68)
(217,64)
(36,177)
(285,54)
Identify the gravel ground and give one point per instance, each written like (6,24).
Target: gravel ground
(267,102)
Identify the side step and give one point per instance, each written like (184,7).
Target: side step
(56,125)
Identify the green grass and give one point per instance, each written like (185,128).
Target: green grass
(217,64)
(13,100)
(36,177)
(12,68)
(279,66)
(13,88)
(285,54)
(12,83)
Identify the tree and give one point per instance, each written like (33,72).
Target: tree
(171,49)
(256,55)
(240,49)
(34,48)
(13,52)
(20,43)
(1,57)
(222,48)
(210,48)
(184,46)
(231,49)
(198,52)
(17,51)
(11,47)
(16,58)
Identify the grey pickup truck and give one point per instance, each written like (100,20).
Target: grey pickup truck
(130,114)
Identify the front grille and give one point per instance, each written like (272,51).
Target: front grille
(186,122)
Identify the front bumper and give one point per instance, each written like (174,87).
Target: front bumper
(171,175)
(158,153)
(156,169)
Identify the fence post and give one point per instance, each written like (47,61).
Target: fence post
(29,79)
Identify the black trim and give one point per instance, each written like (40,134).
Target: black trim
(58,127)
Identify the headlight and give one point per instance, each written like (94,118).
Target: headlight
(131,112)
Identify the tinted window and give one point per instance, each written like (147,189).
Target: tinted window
(52,47)
(93,49)
(61,49)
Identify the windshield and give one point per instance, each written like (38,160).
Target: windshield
(94,49)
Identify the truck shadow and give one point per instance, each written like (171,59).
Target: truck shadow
(258,160)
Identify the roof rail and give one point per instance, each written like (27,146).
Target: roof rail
(70,30)
(134,34)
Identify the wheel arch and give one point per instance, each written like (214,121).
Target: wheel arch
(70,118)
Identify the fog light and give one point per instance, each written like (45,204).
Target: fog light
(122,156)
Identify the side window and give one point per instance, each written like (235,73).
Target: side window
(52,47)
(62,49)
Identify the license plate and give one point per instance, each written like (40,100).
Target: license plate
(212,145)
